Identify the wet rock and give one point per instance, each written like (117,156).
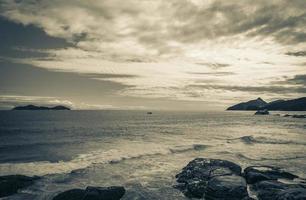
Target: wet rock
(255,174)
(214,179)
(268,189)
(10,184)
(204,169)
(196,189)
(210,176)
(92,193)
(295,116)
(226,187)
(74,194)
(298,116)
(273,189)
(267,182)
(292,194)
(104,193)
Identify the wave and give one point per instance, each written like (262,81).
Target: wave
(240,155)
(194,147)
(263,140)
(84,161)
(7,147)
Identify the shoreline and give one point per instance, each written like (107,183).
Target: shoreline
(213,179)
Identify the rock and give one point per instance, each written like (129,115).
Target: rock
(215,179)
(104,193)
(10,184)
(298,116)
(262,112)
(227,188)
(267,183)
(204,169)
(92,193)
(196,176)
(196,188)
(74,194)
(292,194)
(255,104)
(267,190)
(255,174)
(272,189)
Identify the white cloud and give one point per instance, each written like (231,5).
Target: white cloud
(160,42)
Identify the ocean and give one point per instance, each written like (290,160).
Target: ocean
(142,152)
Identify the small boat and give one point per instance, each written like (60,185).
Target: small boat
(149,113)
(262,112)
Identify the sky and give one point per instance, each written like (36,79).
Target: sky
(151,54)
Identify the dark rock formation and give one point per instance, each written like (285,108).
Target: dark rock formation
(32,107)
(280,105)
(74,194)
(92,193)
(226,187)
(267,183)
(262,112)
(10,185)
(254,174)
(292,194)
(267,190)
(214,179)
(295,116)
(255,104)
(298,116)
(289,105)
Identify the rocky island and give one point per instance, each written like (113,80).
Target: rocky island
(278,105)
(33,107)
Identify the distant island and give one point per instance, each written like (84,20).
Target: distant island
(279,105)
(32,107)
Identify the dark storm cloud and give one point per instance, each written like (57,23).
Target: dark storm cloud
(214,65)
(27,80)
(297,53)
(299,79)
(21,41)
(187,22)
(213,73)
(18,35)
(252,89)
(182,21)
(107,76)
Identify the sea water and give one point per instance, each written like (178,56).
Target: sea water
(143,153)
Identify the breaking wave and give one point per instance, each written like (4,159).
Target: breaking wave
(83,161)
(263,140)
(240,155)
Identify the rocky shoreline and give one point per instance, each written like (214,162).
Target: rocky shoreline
(215,179)
(201,178)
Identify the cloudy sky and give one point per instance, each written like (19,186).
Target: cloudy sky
(151,54)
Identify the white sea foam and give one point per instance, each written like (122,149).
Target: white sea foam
(83,161)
